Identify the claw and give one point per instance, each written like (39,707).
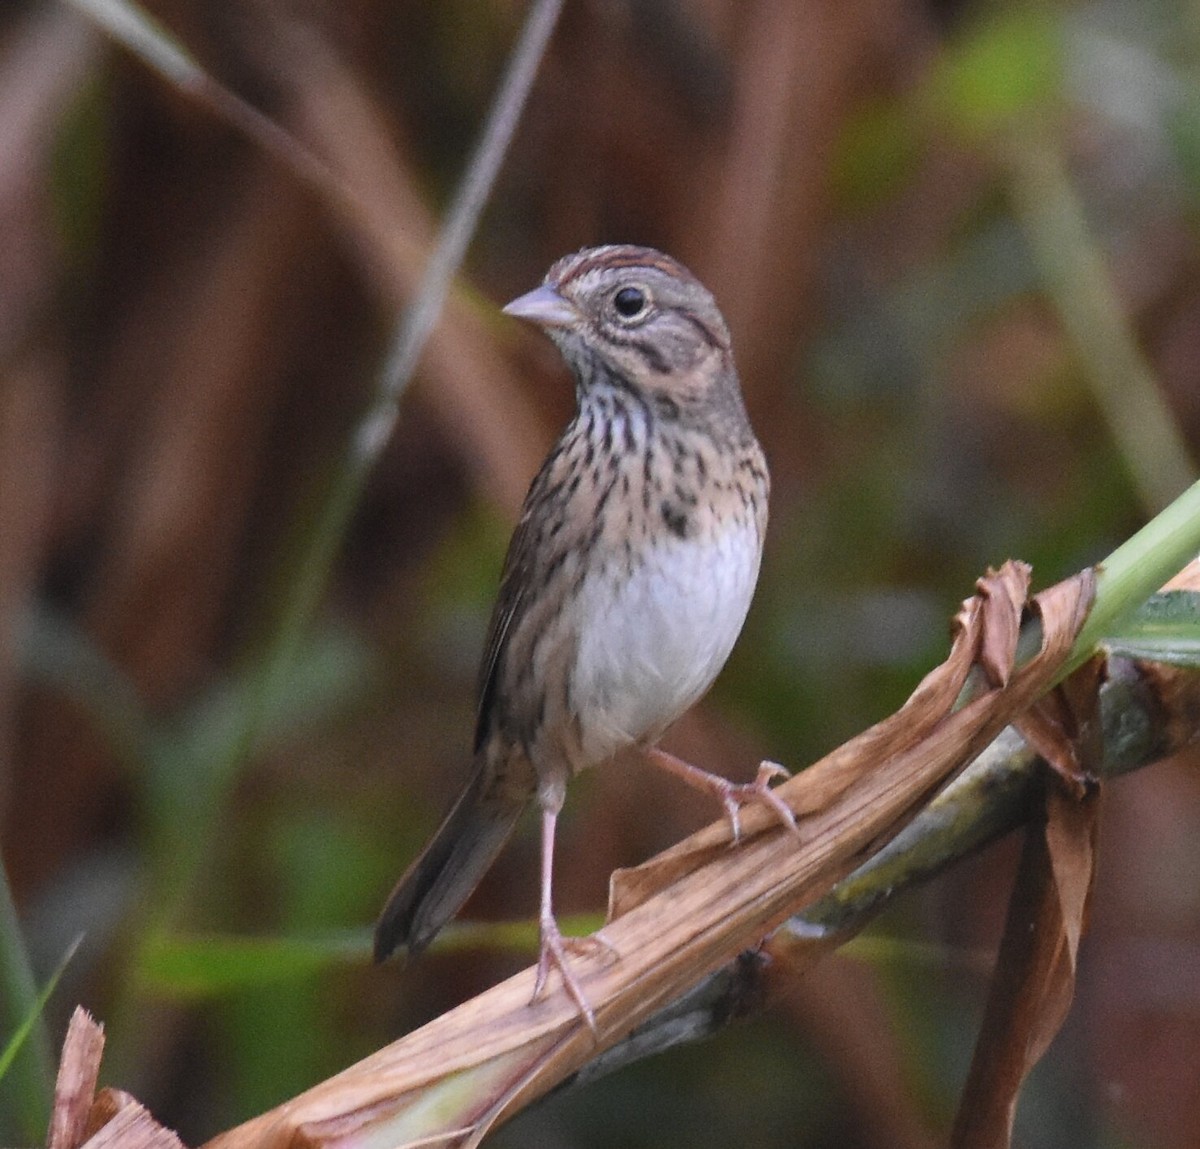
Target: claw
(761,788)
(769,769)
(732,812)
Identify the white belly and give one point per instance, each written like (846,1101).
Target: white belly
(652,644)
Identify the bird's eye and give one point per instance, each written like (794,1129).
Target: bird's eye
(630,302)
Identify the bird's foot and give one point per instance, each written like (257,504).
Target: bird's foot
(742,794)
(554,951)
(733,795)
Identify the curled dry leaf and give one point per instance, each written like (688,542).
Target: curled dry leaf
(1005,592)
(984,633)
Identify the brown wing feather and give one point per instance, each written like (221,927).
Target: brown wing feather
(517,580)
(520,583)
(510,603)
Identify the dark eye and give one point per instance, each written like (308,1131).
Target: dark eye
(630,302)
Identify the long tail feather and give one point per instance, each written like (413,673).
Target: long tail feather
(434,888)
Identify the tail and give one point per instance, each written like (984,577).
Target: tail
(434,888)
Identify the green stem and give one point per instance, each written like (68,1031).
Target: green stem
(1138,568)
(27,1090)
(1081,288)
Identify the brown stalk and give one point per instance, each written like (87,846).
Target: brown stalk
(687,912)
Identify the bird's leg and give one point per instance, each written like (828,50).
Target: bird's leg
(553,945)
(733,795)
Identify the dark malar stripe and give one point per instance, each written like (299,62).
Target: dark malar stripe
(648,351)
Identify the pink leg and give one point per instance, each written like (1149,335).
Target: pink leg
(732,794)
(553,945)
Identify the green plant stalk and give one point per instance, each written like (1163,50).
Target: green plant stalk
(1136,569)
(1125,580)
(27,1090)
(1080,286)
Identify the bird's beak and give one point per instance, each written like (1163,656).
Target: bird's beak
(545,307)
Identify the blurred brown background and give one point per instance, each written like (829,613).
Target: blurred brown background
(190,331)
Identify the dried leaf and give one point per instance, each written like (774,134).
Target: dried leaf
(1034,979)
(1186,579)
(1063,727)
(1005,592)
(109,1102)
(1072,835)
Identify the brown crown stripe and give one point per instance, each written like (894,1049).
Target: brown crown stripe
(624,257)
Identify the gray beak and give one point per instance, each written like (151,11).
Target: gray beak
(543,306)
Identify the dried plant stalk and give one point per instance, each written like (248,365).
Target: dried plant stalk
(692,909)
(75,1088)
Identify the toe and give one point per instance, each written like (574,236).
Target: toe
(768,769)
(554,954)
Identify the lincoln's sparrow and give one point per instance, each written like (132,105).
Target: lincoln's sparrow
(626,582)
